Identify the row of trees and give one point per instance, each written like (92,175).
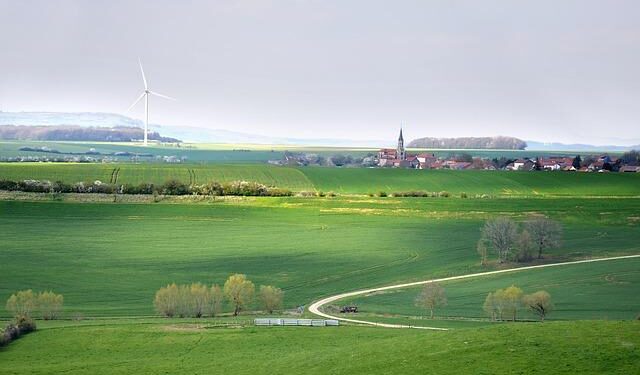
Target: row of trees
(503,304)
(504,237)
(171,187)
(197,300)
(28,304)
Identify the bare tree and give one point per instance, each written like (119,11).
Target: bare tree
(545,234)
(166,300)
(539,303)
(524,246)
(431,296)
(239,292)
(271,298)
(501,233)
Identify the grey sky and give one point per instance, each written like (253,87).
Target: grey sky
(546,70)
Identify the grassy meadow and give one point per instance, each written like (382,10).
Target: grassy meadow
(587,347)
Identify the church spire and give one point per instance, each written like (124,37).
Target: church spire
(401,154)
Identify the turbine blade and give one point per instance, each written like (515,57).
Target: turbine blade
(162,96)
(136,102)
(143,77)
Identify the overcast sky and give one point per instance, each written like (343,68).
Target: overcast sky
(556,70)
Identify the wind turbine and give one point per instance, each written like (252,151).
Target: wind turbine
(145,94)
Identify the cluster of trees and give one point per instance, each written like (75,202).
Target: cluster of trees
(28,304)
(78,133)
(502,143)
(198,300)
(171,187)
(22,325)
(504,304)
(504,236)
(336,160)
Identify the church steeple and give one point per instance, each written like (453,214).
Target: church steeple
(400,150)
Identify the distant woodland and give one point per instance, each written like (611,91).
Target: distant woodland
(77,133)
(502,143)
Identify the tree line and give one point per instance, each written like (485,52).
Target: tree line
(170,187)
(510,242)
(197,300)
(503,304)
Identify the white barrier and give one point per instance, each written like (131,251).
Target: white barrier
(296,322)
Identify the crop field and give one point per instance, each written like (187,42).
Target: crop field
(343,181)
(593,347)
(109,259)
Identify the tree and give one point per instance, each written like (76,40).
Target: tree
(270,298)
(166,300)
(215,302)
(239,292)
(545,234)
(539,303)
(577,162)
(49,304)
(491,307)
(199,299)
(22,303)
(511,300)
(524,246)
(431,296)
(481,247)
(501,233)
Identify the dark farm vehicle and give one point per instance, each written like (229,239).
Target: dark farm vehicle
(349,309)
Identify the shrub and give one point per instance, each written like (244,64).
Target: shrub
(278,192)
(25,324)
(321,194)
(138,189)
(175,187)
(463,195)
(444,194)
(212,188)
(331,194)
(382,194)
(411,194)
(61,187)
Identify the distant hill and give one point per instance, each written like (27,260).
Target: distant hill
(540,146)
(501,143)
(77,133)
(185,133)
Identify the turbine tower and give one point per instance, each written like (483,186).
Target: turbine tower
(146,94)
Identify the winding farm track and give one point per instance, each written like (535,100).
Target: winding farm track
(315,307)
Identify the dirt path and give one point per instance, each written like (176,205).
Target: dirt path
(315,307)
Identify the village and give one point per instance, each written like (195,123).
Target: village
(462,160)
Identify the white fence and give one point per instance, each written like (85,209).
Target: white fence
(295,322)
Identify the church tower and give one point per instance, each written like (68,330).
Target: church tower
(401,154)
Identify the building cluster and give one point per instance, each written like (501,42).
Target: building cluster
(399,158)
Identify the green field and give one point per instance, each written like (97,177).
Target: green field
(109,259)
(343,180)
(550,348)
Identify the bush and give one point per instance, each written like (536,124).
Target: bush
(212,188)
(444,194)
(8,185)
(331,194)
(382,194)
(463,195)
(411,194)
(175,187)
(137,189)
(25,324)
(61,187)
